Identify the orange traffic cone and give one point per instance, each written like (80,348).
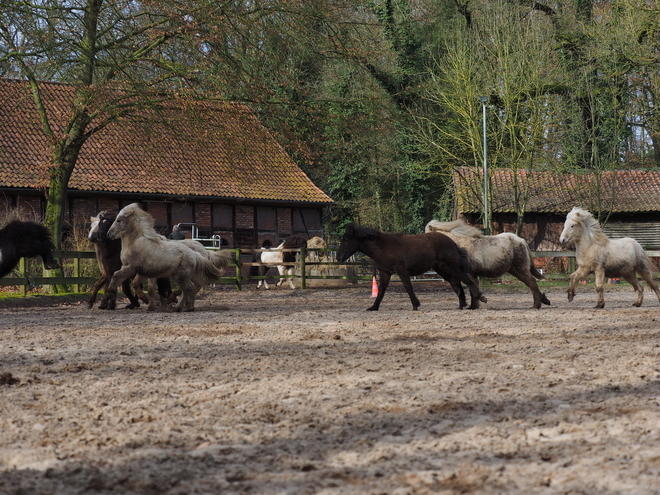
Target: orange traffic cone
(374,288)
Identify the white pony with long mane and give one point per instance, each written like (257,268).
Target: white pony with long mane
(145,252)
(596,253)
(491,256)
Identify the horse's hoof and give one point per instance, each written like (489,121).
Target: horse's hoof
(483,299)
(637,305)
(372,309)
(599,306)
(131,306)
(545,300)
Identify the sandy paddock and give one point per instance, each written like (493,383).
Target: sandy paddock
(301,392)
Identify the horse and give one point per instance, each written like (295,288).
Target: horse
(491,256)
(219,258)
(145,252)
(274,257)
(108,253)
(25,240)
(408,255)
(605,257)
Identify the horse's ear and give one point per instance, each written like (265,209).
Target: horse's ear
(350,229)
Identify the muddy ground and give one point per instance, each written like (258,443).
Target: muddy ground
(301,392)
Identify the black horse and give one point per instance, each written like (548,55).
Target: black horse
(25,240)
(108,255)
(408,255)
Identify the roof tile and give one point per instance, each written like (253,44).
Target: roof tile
(614,191)
(216,149)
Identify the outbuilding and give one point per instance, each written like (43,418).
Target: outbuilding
(627,202)
(210,166)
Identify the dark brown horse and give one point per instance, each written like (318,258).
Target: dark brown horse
(25,240)
(408,255)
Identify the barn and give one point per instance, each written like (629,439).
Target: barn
(628,202)
(209,166)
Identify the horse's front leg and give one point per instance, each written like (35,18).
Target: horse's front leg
(262,281)
(97,286)
(578,274)
(110,298)
(49,262)
(383,282)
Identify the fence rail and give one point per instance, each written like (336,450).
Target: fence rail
(24,282)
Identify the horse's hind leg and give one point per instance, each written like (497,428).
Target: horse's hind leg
(290,273)
(456,285)
(405,279)
(647,275)
(526,277)
(631,278)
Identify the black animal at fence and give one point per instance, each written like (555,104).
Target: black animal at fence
(25,240)
(408,255)
(108,255)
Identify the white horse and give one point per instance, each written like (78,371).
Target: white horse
(491,256)
(271,258)
(145,252)
(596,253)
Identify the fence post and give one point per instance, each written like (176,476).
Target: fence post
(237,262)
(21,270)
(303,256)
(76,273)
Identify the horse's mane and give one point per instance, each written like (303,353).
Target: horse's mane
(294,242)
(591,226)
(457,227)
(361,233)
(142,221)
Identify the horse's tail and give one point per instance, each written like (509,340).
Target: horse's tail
(464,261)
(208,268)
(532,266)
(221,258)
(254,270)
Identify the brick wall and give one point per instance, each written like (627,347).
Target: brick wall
(244,217)
(284,219)
(203,215)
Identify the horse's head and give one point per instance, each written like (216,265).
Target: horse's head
(349,243)
(100,224)
(574,226)
(93,235)
(126,223)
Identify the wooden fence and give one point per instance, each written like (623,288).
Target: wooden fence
(362,268)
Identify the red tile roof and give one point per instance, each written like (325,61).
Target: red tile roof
(621,191)
(214,149)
